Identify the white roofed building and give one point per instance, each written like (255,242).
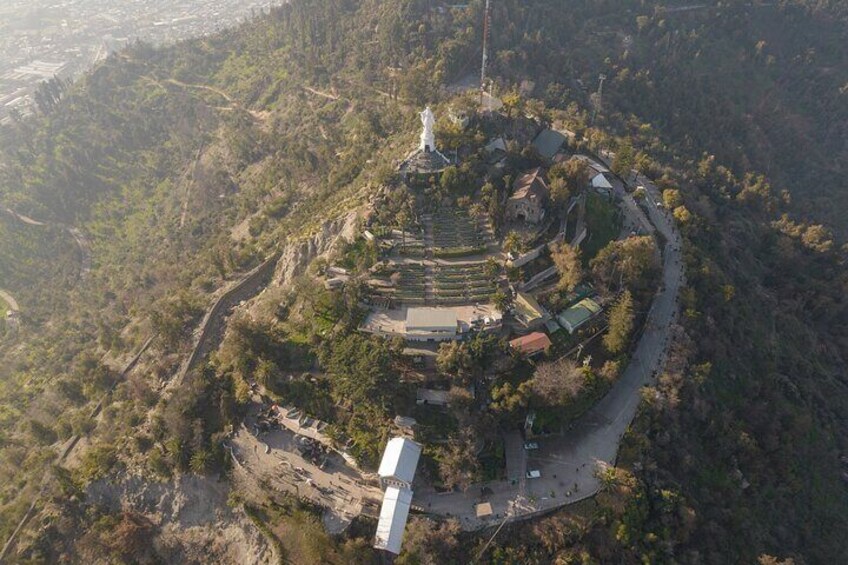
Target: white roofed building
(431,324)
(392,522)
(397,469)
(400,459)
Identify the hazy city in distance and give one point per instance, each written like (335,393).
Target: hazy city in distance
(40,39)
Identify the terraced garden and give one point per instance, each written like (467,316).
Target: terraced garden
(405,283)
(462,283)
(449,232)
(456,234)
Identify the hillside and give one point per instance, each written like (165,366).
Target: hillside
(187,166)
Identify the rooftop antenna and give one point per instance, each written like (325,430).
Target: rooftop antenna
(485,51)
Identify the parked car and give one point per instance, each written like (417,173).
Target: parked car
(531,445)
(534,474)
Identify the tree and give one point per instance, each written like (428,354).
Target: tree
(620,324)
(450,181)
(575,173)
(458,465)
(558,382)
(817,238)
(359,368)
(507,398)
(511,102)
(512,242)
(501,300)
(624,160)
(199,462)
(428,542)
(453,358)
(493,269)
(682,215)
(567,261)
(173,318)
(630,262)
(560,194)
(672,198)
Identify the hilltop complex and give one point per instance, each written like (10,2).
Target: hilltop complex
(458,268)
(394,281)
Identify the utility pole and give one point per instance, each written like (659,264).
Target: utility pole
(599,96)
(511,504)
(485,51)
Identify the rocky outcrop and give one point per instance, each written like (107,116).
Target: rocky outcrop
(193,522)
(297,255)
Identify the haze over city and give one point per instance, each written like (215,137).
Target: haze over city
(43,39)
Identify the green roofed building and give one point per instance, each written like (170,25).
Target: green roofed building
(577,315)
(548,143)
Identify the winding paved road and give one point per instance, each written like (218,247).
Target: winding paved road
(568,463)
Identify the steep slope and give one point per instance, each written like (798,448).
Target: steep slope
(187,166)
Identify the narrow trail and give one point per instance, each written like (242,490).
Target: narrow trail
(217,91)
(321,93)
(25,219)
(10,300)
(189,178)
(76,234)
(234,104)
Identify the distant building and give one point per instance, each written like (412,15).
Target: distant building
(431,324)
(527,311)
(400,459)
(334,283)
(529,196)
(548,143)
(531,344)
(601,184)
(577,315)
(432,397)
(405,422)
(392,522)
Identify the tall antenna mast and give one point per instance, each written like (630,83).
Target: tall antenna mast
(599,97)
(485,52)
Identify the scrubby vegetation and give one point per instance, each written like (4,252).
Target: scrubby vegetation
(188,165)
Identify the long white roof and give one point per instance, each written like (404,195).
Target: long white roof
(400,459)
(431,319)
(393,516)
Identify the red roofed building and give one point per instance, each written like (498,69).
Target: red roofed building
(529,195)
(531,344)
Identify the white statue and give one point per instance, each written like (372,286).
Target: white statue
(428,138)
